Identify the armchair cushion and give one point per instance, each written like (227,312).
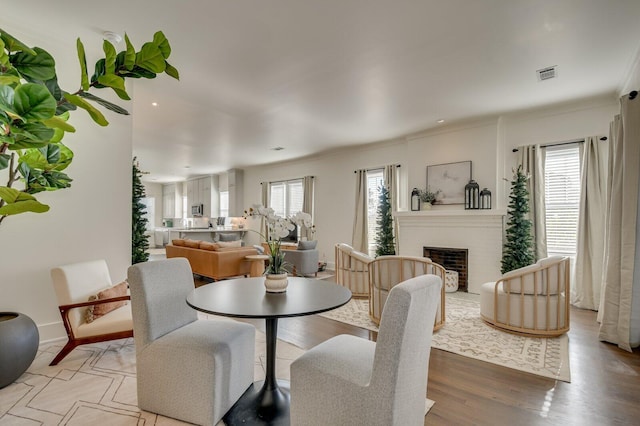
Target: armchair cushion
(228,237)
(96,311)
(307,245)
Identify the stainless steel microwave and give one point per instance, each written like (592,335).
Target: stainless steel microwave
(197,210)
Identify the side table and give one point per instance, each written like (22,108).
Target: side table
(257,264)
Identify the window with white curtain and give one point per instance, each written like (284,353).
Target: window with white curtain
(375,181)
(562,198)
(286,197)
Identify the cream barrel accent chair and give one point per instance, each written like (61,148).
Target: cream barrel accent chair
(74,285)
(387,271)
(188,369)
(352,269)
(348,380)
(532,300)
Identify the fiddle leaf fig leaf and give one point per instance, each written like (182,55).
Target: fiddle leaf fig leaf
(56,122)
(14,45)
(93,112)
(34,102)
(4,161)
(171,71)
(7,95)
(109,57)
(116,83)
(130,55)
(41,66)
(163,44)
(150,58)
(82,58)
(19,202)
(108,105)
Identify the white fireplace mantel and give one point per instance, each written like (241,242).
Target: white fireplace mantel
(478,231)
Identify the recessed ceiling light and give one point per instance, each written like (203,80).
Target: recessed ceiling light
(187,167)
(112,37)
(154,103)
(277,148)
(440,121)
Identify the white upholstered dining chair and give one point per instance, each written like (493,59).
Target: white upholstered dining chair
(348,380)
(188,369)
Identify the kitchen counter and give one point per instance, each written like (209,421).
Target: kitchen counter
(204,234)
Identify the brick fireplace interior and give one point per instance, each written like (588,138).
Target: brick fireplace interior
(452,259)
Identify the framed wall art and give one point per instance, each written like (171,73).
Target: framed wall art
(449,179)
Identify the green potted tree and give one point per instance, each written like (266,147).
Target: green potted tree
(518,247)
(385,241)
(34,117)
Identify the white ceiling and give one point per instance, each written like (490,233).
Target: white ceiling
(314,75)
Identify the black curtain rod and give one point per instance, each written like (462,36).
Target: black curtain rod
(376,168)
(604,138)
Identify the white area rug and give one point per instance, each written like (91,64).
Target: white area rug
(96,384)
(464,333)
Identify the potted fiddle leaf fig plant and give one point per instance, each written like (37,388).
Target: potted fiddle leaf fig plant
(35,111)
(34,117)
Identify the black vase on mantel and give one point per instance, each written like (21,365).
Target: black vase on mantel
(19,340)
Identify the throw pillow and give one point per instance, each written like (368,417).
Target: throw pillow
(96,311)
(177,242)
(226,244)
(204,245)
(192,243)
(307,245)
(228,237)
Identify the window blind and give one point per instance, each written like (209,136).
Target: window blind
(286,197)
(562,199)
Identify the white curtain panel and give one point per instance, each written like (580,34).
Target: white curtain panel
(531,158)
(390,176)
(591,224)
(265,202)
(359,239)
(621,232)
(307,200)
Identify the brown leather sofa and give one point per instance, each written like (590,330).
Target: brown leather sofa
(211,260)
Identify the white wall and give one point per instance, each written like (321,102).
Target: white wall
(488,143)
(334,187)
(90,220)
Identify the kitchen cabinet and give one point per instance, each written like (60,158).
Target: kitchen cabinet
(172,200)
(199,192)
(168,200)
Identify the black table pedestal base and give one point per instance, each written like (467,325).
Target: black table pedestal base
(260,405)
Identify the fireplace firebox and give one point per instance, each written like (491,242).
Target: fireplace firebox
(452,259)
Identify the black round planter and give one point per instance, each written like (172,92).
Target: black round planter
(19,340)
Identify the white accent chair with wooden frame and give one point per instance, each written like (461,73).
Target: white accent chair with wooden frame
(352,269)
(74,284)
(533,300)
(385,272)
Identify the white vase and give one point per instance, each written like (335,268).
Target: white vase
(425,206)
(276,283)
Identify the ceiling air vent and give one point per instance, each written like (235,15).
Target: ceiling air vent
(546,73)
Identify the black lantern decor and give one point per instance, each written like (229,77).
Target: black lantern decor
(415,200)
(471,195)
(485,199)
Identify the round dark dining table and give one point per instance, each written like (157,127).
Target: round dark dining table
(266,402)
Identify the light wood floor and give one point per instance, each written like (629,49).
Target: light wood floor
(604,388)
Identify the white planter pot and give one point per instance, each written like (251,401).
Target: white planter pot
(276,283)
